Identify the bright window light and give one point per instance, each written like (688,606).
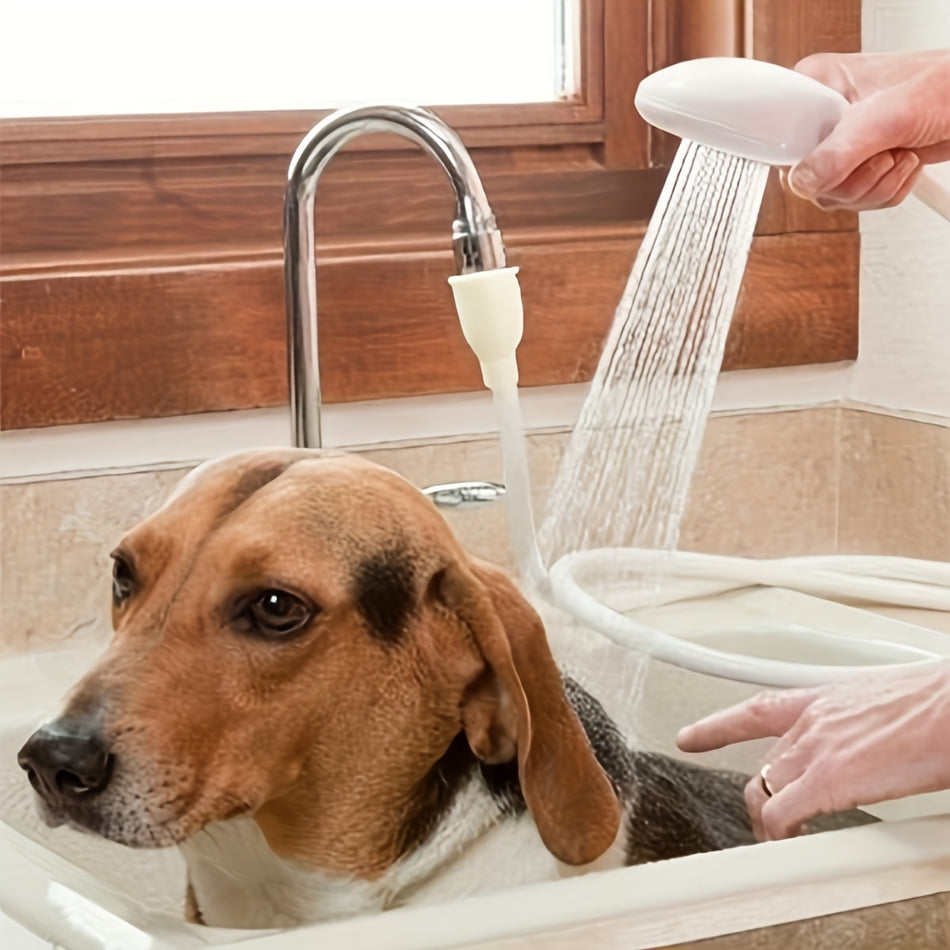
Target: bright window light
(120,57)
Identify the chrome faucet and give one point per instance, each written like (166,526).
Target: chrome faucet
(475,236)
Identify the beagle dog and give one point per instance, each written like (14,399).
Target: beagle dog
(332,710)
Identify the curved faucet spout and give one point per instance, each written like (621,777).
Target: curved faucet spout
(475,236)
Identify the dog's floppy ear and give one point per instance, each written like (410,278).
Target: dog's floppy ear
(518,706)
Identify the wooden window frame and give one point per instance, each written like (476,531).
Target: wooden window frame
(140,257)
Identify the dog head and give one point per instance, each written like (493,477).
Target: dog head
(300,638)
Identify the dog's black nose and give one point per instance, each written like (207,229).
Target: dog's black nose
(66,760)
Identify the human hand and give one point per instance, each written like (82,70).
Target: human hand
(841,745)
(900,121)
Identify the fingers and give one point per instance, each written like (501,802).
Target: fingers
(882,181)
(867,133)
(771,713)
(804,183)
(905,188)
(756,798)
(784,813)
(768,791)
(779,806)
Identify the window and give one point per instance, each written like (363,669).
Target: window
(140,256)
(112,57)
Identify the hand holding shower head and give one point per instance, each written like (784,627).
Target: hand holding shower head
(752,109)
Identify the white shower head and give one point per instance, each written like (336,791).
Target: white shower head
(753,109)
(743,106)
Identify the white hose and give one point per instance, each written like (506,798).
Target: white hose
(933,194)
(902,582)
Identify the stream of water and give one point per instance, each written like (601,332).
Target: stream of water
(626,472)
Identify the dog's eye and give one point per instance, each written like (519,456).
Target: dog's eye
(123,580)
(275,613)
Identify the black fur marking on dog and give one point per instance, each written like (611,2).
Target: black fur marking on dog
(606,740)
(682,809)
(436,793)
(457,765)
(676,808)
(504,787)
(384,593)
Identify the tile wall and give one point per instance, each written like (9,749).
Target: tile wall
(767,484)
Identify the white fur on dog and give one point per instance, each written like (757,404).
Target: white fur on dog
(240,882)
